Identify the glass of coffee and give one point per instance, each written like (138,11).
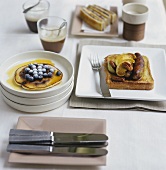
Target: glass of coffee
(52,31)
(40,9)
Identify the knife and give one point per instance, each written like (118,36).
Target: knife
(49,140)
(58,151)
(55,138)
(103,85)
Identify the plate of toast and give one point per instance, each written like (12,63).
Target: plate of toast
(132,73)
(99,21)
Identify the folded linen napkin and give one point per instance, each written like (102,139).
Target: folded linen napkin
(112,103)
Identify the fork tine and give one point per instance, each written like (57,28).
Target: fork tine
(94,60)
(98,61)
(91,60)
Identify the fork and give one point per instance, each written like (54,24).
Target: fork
(96,66)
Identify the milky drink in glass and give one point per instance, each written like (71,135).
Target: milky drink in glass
(41,10)
(52,33)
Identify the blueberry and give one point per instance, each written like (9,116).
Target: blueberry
(31,79)
(30,65)
(45,75)
(39,67)
(35,69)
(27,76)
(33,66)
(46,66)
(26,70)
(40,73)
(40,77)
(58,73)
(35,76)
(51,70)
(39,70)
(49,74)
(30,71)
(43,70)
(34,72)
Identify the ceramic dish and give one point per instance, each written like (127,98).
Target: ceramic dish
(77,24)
(9,66)
(37,101)
(66,125)
(157,59)
(37,108)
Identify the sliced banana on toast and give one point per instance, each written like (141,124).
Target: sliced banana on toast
(97,17)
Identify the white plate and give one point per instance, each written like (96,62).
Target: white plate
(37,108)
(64,125)
(60,62)
(36,101)
(87,76)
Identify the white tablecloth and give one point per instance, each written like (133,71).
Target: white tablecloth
(137,138)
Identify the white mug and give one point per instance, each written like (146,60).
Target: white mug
(135,13)
(134,1)
(134,16)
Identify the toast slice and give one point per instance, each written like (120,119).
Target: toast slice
(114,81)
(92,19)
(111,14)
(104,16)
(97,17)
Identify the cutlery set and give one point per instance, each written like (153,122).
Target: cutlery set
(96,66)
(55,143)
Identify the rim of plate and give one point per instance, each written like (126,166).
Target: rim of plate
(36,101)
(37,108)
(53,57)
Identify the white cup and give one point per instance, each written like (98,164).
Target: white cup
(134,16)
(133,1)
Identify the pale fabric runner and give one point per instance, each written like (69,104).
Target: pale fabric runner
(111,103)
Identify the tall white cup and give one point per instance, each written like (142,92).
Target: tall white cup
(133,1)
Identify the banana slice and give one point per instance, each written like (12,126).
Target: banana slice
(125,57)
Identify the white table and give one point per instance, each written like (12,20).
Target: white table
(137,138)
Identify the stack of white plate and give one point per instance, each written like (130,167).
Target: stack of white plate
(36,101)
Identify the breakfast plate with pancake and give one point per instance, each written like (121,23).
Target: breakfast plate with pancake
(36,74)
(98,18)
(132,73)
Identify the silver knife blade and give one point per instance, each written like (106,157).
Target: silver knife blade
(59,151)
(104,87)
(56,136)
(49,140)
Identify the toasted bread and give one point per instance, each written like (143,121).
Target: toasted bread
(92,19)
(114,81)
(111,14)
(97,17)
(104,16)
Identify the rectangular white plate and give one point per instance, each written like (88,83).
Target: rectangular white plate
(88,80)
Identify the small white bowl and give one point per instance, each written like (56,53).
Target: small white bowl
(37,108)
(36,101)
(59,61)
(135,13)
